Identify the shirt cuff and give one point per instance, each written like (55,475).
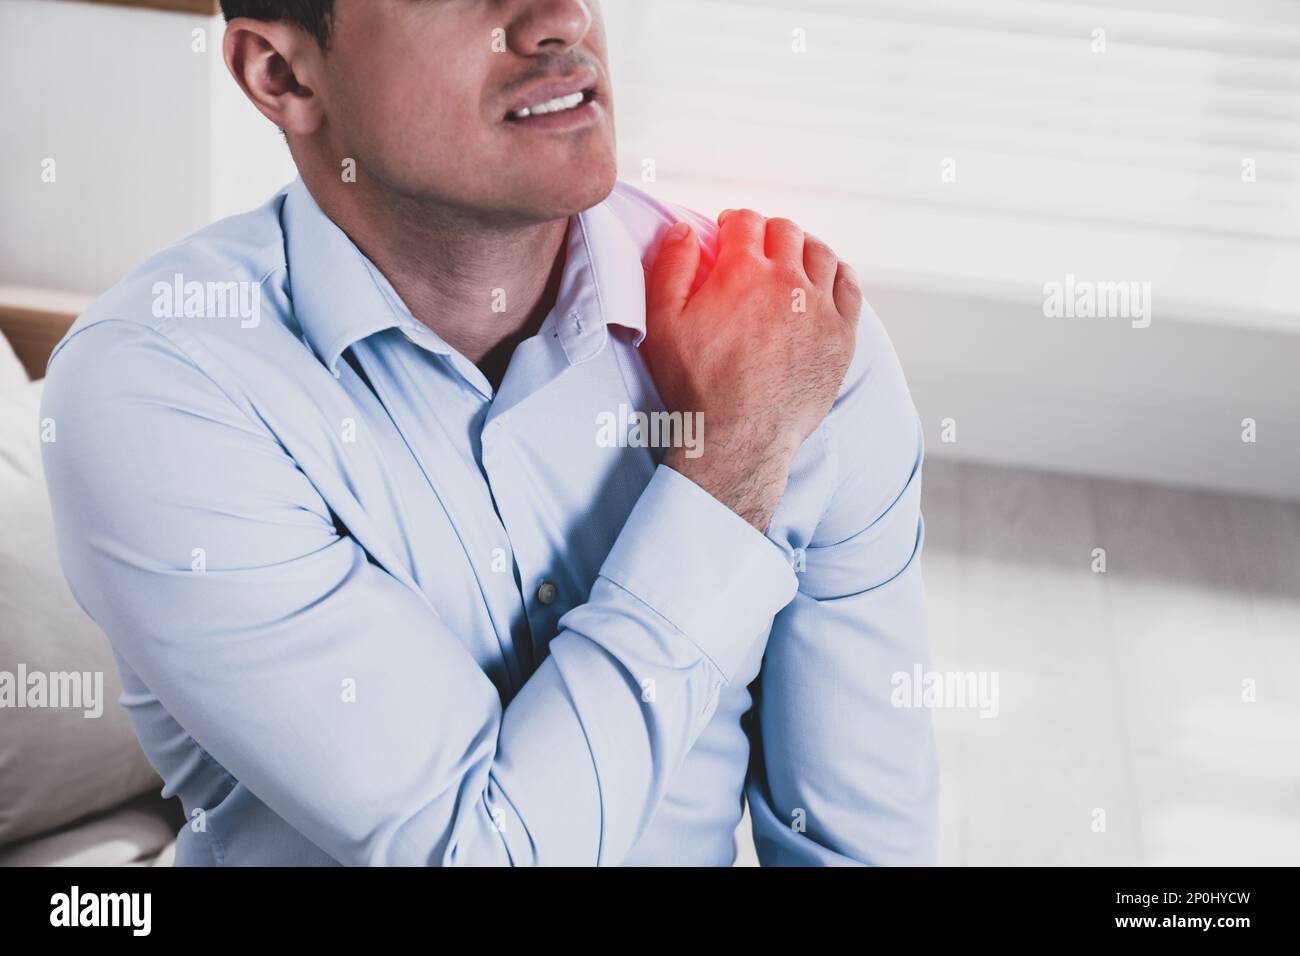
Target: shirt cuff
(702,567)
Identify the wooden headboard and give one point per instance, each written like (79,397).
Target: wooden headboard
(207,7)
(33,320)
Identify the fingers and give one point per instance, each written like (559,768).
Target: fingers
(744,234)
(820,262)
(741,234)
(784,241)
(848,294)
(671,277)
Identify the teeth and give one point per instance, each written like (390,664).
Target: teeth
(557,105)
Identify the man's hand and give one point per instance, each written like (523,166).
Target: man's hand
(760,348)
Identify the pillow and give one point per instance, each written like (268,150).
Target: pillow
(139,833)
(12,373)
(56,764)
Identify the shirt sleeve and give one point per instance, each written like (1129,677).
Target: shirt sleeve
(334,692)
(838,774)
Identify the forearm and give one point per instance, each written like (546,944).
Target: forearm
(683,595)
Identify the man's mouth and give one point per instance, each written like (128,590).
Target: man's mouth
(558,104)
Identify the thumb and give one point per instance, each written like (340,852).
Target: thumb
(673,273)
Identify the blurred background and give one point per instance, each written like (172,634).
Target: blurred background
(1112,501)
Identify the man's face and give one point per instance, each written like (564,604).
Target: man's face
(471,103)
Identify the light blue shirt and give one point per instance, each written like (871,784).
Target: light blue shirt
(368,610)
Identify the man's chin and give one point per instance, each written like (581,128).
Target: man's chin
(566,192)
(572,204)
(597,191)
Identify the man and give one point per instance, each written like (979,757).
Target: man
(379,592)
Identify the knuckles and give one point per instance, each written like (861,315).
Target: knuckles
(747,280)
(747,218)
(739,272)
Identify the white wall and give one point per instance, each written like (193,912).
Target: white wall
(151,140)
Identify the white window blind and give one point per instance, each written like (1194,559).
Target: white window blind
(988,146)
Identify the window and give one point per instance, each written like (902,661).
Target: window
(988,146)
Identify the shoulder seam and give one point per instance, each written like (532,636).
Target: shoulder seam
(198,364)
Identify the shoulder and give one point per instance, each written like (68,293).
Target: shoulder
(646,219)
(178,324)
(873,434)
(145,342)
(232,272)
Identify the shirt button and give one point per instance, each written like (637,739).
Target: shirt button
(546,593)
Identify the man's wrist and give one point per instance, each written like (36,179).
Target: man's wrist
(749,484)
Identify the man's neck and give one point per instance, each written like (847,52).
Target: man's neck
(483,289)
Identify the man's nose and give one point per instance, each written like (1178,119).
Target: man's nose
(549,26)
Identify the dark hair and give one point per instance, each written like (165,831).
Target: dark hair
(314,16)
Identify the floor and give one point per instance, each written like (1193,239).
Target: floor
(1149,714)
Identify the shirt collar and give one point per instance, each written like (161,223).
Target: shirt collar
(603,284)
(340,297)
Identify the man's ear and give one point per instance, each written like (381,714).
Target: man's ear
(277,66)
